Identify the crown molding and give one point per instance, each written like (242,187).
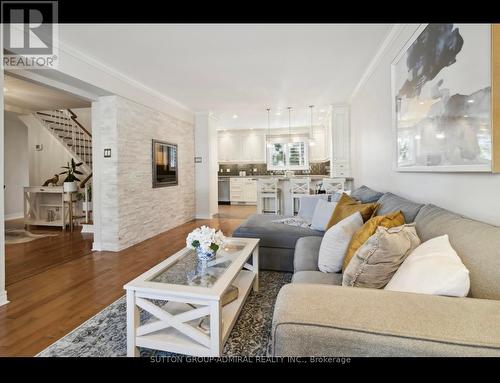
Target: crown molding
(389,39)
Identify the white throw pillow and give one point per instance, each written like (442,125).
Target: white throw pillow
(336,241)
(322,213)
(308,204)
(432,268)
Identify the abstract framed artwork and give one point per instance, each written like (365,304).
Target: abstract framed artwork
(442,99)
(165,164)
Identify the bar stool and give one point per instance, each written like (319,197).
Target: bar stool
(268,190)
(333,185)
(299,187)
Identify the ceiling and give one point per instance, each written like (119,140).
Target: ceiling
(29,96)
(237,69)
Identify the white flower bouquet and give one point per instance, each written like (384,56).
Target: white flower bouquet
(206,241)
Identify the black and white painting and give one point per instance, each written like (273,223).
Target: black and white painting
(442,99)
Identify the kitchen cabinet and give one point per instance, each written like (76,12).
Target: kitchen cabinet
(249,146)
(253,147)
(341,144)
(318,151)
(243,190)
(242,147)
(228,147)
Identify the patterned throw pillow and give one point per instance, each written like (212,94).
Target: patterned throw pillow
(374,264)
(368,229)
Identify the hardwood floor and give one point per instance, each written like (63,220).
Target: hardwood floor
(24,260)
(236,211)
(47,305)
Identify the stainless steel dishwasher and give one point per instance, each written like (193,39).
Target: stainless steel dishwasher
(224,191)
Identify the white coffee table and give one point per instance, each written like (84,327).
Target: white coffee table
(193,322)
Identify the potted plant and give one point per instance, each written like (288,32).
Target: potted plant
(70,183)
(206,241)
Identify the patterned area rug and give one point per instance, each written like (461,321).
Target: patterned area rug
(105,334)
(15,236)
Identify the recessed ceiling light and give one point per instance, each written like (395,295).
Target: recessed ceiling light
(466,115)
(421,103)
(417,137)
(470,101)
(440,136)
(278,113)
(235,116)
(322,111)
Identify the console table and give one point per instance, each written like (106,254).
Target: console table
(47,206)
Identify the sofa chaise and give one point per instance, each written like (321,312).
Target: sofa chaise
(316,316)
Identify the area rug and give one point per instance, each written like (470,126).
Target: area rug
(16,236)
(104,335)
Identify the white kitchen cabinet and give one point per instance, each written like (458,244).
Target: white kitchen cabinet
(318,151)
(250,193)
(341,144)
(242,146)
(252,147)
(243,191)
(229,147)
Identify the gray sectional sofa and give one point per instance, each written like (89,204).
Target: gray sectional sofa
(316,316)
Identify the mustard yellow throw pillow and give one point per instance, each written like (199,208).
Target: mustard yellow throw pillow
(368,229)
(347,206)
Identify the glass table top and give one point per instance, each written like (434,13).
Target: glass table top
(189,271)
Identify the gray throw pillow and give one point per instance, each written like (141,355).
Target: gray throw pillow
(375,262)
(307,204)
(322,214)
(366,194)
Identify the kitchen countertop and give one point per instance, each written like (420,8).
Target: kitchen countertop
(283,178)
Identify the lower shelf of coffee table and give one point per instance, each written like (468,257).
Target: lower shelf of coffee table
(173,340)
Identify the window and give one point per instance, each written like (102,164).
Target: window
(288,156)
(277,156)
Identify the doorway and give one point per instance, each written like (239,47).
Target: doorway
(47,140)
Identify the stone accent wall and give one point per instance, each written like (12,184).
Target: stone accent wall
(132,210)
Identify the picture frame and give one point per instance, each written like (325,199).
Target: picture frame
(165,164)
(432,133)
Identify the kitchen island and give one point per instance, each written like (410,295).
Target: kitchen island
(286,207)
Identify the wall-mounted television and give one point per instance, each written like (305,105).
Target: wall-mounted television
(165,164)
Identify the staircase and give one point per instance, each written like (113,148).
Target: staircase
(63,125)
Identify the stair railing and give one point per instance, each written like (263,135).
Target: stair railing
(63,124)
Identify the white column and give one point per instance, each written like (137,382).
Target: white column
(206,186)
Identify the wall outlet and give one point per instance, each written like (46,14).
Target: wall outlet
(39,147)
(107,153)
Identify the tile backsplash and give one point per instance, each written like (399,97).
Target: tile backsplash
(317,168)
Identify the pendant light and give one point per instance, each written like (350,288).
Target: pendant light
(311,129)
(289,124)
(269,144)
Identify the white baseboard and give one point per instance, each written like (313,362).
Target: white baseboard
(8,217)
(104,246)
(3,298)
(204,216)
